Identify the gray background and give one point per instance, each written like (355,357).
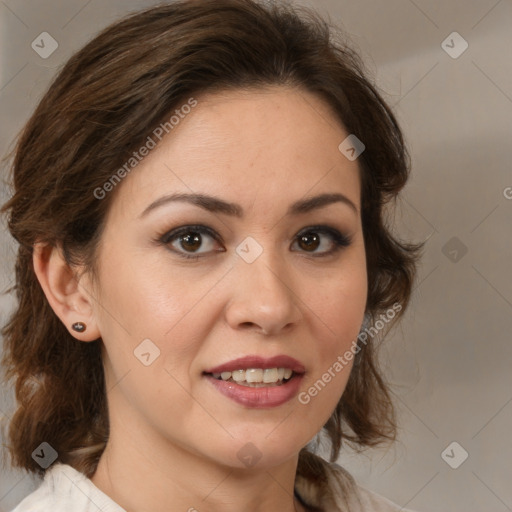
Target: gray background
(450,359)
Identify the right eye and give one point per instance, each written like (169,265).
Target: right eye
(188,240)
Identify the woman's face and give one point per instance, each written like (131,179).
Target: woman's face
(275,275)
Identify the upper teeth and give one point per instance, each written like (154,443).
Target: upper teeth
(268,375)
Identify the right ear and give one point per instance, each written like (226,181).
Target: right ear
(67,294)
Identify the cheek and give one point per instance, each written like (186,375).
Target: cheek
(337,312)
(340,308)
(140,302)
(341,302)
(138,298)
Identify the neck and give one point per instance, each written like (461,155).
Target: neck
(141,473)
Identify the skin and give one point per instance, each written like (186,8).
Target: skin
(174,438)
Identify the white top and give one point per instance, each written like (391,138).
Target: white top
(64,489)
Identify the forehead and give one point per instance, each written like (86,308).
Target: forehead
(264,123)
(273,145)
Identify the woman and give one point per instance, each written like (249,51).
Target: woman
(204,266)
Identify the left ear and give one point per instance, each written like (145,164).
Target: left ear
(70,297)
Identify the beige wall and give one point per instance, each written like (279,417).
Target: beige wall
(450,361)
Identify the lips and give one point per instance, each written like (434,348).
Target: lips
(247,362)
(262,396)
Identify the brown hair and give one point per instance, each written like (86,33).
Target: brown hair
(99,109)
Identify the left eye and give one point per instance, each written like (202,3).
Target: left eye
(314,238)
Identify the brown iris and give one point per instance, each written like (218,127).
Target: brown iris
(311,241)
(191,241)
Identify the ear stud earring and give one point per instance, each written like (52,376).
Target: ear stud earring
(79,327)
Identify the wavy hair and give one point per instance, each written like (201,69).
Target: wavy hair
(98,110)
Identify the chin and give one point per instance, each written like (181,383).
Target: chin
(261,452)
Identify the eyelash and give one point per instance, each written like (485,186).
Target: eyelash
(339,240)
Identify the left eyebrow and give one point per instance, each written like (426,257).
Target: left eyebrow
(216,205)
(321,201)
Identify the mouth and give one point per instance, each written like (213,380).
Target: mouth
(256,377)
(258,382)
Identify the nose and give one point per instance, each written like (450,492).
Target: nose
(263,298)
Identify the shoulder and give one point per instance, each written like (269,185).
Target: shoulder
(360,499)
(328,486)
(371,501)
(64,489)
